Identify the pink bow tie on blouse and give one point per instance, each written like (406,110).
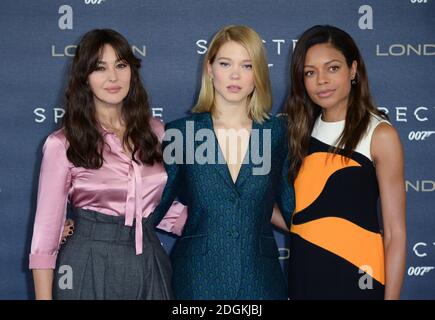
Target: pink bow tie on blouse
(119,187)
(135,202)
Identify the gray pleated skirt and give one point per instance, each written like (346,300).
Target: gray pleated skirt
(99,261)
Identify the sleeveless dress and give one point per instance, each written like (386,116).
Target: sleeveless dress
(336,246)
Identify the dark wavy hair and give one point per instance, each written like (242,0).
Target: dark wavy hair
(302,112)
(81,127)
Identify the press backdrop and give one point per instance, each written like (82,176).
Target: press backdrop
(37,41)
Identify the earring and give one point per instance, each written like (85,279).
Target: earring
(353,81)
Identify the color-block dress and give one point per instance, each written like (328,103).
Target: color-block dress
(336,246)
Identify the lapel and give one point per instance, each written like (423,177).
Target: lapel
(247,165)
(222,168)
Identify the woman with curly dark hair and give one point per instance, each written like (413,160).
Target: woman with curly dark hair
(106,161)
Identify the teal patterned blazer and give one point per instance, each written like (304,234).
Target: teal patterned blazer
(227,249)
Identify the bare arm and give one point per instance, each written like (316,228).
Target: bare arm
(278,220)
(43,280)
(388,157)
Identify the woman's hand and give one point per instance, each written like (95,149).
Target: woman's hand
(68,230)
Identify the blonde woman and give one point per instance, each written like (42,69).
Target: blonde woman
(227,163)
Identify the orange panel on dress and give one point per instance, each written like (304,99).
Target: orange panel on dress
(313,175)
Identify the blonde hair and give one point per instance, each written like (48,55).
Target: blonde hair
(260,100)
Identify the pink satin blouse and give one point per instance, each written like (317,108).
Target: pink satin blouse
(120,187)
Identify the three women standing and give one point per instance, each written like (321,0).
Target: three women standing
(340,152)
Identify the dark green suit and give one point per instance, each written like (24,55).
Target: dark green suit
(227,250)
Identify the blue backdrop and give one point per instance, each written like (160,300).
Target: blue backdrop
(396,37)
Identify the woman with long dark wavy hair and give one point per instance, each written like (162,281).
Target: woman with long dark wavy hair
(344,154)
(106,161)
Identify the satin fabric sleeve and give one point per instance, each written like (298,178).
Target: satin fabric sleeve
(174,219)
(285,195)
(54,182)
